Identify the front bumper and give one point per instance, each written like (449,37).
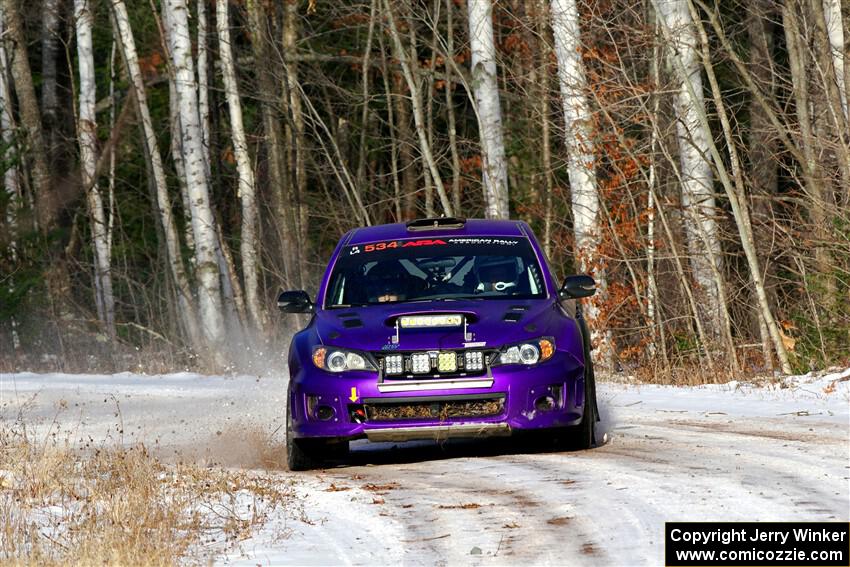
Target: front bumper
(322,404)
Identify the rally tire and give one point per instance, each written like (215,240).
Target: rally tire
(308,454)
(583,436)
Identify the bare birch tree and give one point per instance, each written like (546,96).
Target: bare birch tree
(578,138)
(488,110)
(835,33)
(197,181)
(418,115)
(87,137)
(736,194)
(247,192)
(186,307)
(693,136)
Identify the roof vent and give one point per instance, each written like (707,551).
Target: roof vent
(444,223)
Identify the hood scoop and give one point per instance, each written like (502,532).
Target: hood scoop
(514,314)
(350,320)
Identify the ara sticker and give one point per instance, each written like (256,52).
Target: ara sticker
(473,345)
(401,244)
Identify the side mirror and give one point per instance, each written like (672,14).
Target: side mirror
(295,302)
(578,286)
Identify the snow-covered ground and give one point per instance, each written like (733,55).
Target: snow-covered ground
(730,452)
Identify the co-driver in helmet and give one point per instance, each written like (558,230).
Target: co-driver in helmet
(496,273)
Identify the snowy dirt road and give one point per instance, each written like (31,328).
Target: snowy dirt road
(673,454)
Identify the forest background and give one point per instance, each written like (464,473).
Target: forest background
(169,166)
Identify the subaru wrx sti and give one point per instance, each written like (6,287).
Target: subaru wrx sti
(435,329)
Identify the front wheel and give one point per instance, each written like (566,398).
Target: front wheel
(307,454)
(583,436)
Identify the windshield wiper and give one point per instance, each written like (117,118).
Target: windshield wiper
(459,298)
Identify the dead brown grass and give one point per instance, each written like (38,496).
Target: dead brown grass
(122,506)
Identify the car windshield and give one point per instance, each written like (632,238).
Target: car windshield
(407,270)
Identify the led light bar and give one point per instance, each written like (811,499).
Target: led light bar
(425,321)
(394,364)
(473,360)
(420,363)
(447,362)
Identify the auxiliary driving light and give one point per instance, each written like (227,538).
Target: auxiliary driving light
(420,363)
(420,321)
(447,362)
(394,364)
(473,360)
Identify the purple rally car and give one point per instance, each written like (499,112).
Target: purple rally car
(433,329)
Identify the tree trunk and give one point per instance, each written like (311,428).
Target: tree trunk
(285,209)
(486,88)
(407,161)
(49,53)
(835,32)
(827,36)
(362,186)
(203,222)
(87,135)
(7,135)
(450,106)
(544,51)
(393,131)
(762,147)
(740,210)
(179,167)
(697,179)
(203,79)
(248,243)
(185,308)
(812,171)
(11,184)
(578,137)
(418,116)
(296,138)
(30,118)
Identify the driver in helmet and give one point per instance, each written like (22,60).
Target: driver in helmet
(496,273)
(387,281)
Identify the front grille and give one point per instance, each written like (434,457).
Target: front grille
(433,363)
(433,408)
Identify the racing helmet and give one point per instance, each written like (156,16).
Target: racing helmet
(496,273)
(387,279)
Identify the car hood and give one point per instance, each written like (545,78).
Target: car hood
(490,323)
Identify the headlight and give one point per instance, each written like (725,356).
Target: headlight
(527,353)
(338,360)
